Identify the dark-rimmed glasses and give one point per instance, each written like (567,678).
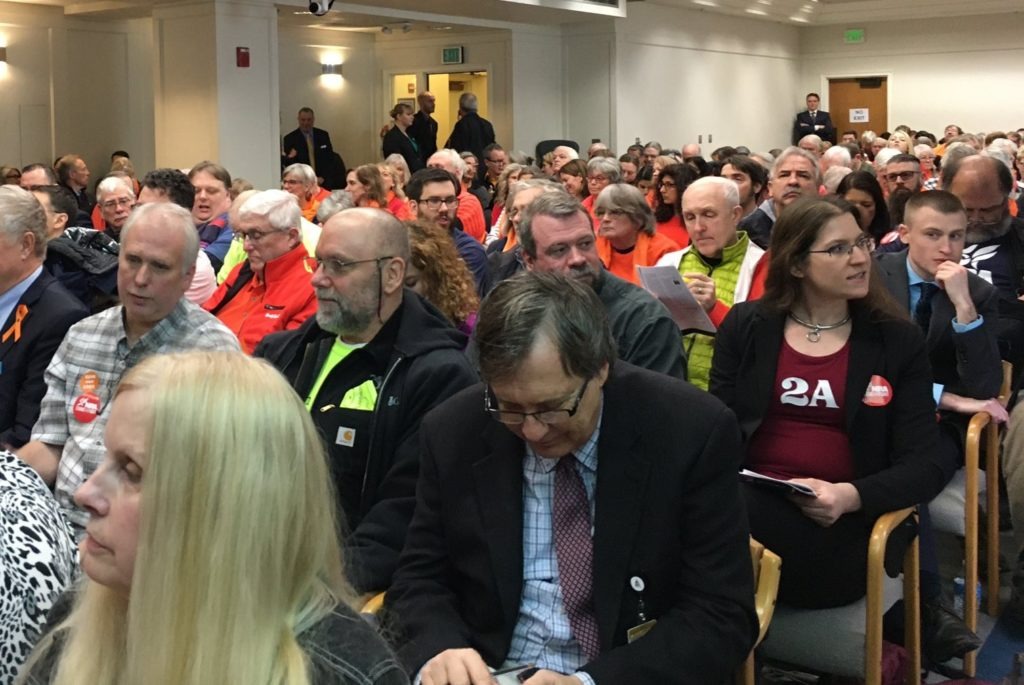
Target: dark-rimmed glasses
(548,416)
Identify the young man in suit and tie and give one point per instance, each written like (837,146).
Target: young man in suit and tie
(958,313)
(573,512)
(35,313)
(813,120)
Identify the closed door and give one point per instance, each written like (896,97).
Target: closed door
(867,97)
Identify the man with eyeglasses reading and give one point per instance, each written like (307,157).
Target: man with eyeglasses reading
(369,365)
(574,513)
(434,197)
(270,290)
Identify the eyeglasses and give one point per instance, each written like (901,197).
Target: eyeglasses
(436,202)
(865,243)
(597,179)
(901,176)
(252,236)
(335,268)
(117,202)
(548,416)
(667,184)
(494,161)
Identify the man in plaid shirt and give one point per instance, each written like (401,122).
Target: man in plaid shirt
(159,245)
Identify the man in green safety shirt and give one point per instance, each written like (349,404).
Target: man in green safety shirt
(373,361)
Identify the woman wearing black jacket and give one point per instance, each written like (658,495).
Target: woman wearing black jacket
(397,140)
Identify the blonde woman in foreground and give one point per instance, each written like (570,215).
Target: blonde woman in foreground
(212,552)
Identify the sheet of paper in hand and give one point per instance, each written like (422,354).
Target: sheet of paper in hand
(783,486)
(667,286)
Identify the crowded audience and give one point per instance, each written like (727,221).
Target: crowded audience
(436,382)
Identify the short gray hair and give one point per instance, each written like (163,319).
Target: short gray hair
(609,166)
(113,183)
(337,201)
(533,305)
(20,213)
(570,151)
(175,218)
(794,151)
(812,138)
(884,155)
(833,176)
(547,185)
(279,207)
(467,102)
(730,191)
(560,206)
(838,156)
(452,156)
(303,171)
(630,200)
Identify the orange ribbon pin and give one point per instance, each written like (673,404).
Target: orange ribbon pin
(19,315)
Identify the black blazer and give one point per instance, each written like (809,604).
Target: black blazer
(471,133)
(668,510)
(803,126)
(894,446)
(323,151)
(51,312)
(396,142)
(966,363)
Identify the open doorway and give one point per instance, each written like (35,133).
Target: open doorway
(859,104)
(447,89)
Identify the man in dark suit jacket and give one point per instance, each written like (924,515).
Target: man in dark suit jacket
(567,518)
(424,126)
(471,133)
(813,120)
(36,311)
(297,144)
(957,309)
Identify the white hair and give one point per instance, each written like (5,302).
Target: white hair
(569,151)
(837,156)
(730,191)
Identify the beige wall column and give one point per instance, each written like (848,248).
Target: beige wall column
(207,107)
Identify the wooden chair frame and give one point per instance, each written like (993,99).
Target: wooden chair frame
(767,566)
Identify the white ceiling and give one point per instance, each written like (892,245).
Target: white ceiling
(851,12)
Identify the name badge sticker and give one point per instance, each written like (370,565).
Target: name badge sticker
(346,436)
(86,407)
(878,393)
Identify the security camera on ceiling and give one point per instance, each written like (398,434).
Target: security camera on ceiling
(320,7)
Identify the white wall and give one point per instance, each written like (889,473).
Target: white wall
(344,111)
(30,83)
(109,91)
(966,71)
(590,84)
(683,73)
(537,88)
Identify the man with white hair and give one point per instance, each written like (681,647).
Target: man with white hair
(559,156)
(836,156)
(115,197)
(271,290)
(794,174)
(472,133)
(470,211)
(691,150)
(157,259)
(721,266)
(35,312)
(811,143)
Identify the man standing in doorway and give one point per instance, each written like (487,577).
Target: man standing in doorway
(472,133)
(815,121)
(424,127)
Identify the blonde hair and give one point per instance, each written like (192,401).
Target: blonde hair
(238,549)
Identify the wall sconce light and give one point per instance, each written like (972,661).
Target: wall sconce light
(330,70)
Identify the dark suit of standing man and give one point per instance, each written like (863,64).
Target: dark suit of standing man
(424,127)
(296,146)
(499,568)
(39,311)
(471,133)
(815,121)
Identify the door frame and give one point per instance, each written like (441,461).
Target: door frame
(887,75)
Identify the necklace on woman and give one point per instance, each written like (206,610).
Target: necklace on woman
(814,335)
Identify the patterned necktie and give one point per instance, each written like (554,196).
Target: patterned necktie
(814,117)
(310,150)
(575,550)
(923,310)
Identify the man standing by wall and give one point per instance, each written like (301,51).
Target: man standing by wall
(472,133)
(424,126)
(813,120)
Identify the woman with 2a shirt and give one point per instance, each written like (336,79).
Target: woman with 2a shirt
(832,389)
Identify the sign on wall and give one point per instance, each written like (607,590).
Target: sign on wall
(859,116)
(451,55)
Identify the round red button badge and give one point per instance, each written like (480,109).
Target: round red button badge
(879,392)
(86,407)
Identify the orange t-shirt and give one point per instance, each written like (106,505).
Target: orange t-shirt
(647,251)
(675,230)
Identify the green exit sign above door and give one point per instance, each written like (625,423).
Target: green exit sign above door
(853,36)
(451,55)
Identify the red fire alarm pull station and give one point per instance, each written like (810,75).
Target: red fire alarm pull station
(242,57)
